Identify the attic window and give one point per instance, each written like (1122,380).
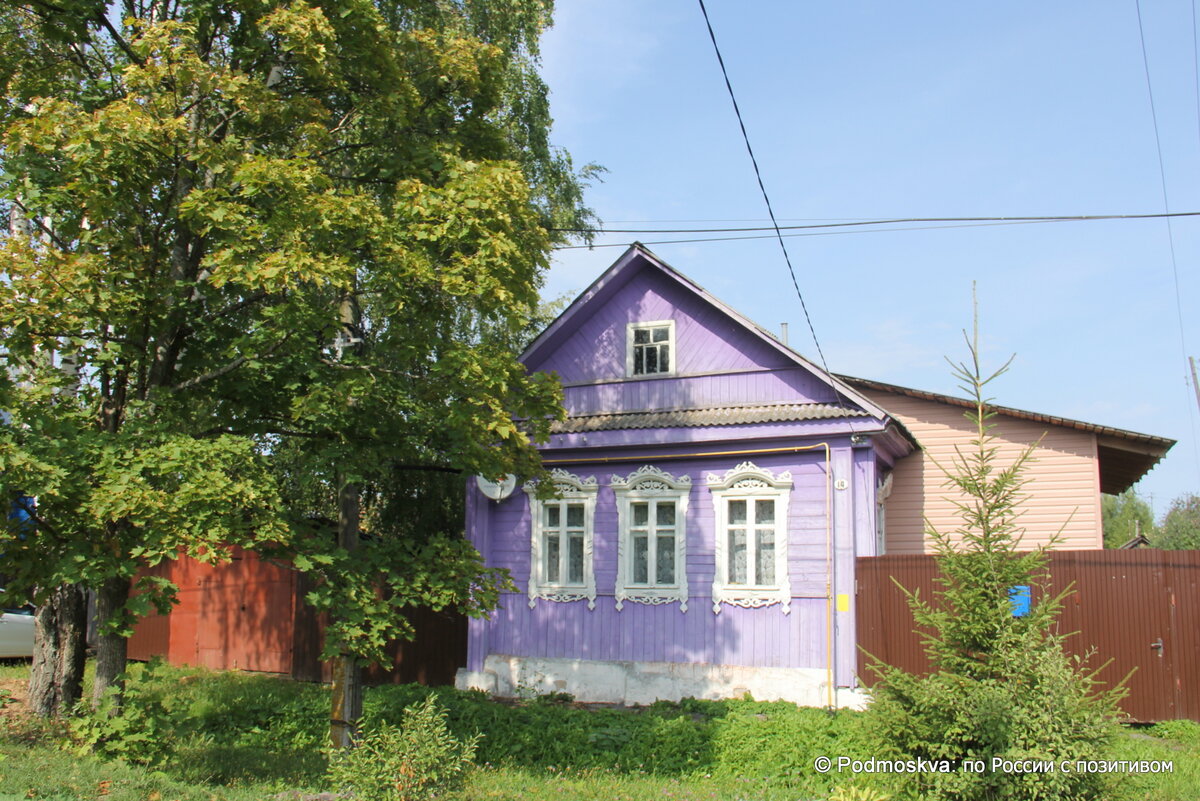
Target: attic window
(650,348)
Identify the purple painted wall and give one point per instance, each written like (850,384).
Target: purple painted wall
(713,389)
(708,339)
(720,361)
(735,636)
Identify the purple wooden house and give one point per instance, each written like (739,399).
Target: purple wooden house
(713,490)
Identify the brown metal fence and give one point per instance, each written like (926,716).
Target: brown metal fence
(1138,610)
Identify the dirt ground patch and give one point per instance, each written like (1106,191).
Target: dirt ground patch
(14,698)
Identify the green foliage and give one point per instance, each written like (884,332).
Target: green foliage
(1125,516)
(260,251)
(854,793)
(210,727)
(1184,731)
(1180,528)
(776,744)
(420,759)
(1001,686)
(49,773)
(237,736)
(111,503)
(137,732)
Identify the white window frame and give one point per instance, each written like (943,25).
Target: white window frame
(649,484)
(883,492)
(671,348)
(749,482)
(568,488)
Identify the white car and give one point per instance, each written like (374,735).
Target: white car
(16,633)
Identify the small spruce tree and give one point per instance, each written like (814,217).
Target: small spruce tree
(1001,686)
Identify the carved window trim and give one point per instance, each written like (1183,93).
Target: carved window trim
(569,488)
(749,482)
(650,484)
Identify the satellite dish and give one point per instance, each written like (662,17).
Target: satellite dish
(497,491)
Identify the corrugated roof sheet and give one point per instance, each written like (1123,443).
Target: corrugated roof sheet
(720,416)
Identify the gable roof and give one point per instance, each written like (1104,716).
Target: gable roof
(1125,456)
(638,257)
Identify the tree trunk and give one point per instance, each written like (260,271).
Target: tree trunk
(347,701)
(59,648)
(347,672)
(110,648)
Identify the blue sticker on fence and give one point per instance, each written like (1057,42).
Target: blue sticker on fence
(1019,598)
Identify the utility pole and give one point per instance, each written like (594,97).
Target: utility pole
(1195,380)
(346,670)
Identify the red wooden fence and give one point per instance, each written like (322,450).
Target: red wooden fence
(1140,609)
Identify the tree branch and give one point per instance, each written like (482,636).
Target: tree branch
(227,368)
(41,227)
(235,307)
(283,432)
(116,35)
(429,468)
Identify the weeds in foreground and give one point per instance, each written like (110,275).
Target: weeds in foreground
(237,737)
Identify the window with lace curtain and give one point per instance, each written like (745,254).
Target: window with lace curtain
(560,565)
(750,506)
(651,546)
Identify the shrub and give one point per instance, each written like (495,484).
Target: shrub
(420,759)
(140,731)
(777,742)
(1184,731)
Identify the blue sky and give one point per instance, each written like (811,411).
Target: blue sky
(879,110)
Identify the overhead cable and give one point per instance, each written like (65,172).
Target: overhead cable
(885,221)
(762,187)
(1162,174)
(818,233)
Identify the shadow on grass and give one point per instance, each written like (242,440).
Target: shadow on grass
(232,766)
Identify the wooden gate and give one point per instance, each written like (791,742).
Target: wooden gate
(1139,611)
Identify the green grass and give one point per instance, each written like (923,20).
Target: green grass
(194,735)
(502,784)
(47,772)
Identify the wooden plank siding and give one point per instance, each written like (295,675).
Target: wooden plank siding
(1062,496)
(762,385)
(644,633)
(708,340)
(1124,603)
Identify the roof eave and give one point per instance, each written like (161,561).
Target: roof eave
(1130,454)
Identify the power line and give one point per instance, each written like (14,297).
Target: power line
(814,233)
(742,219)
(1196,67)
(1162,174)
(762,187)
(886,221)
